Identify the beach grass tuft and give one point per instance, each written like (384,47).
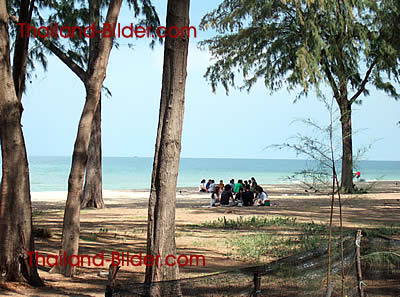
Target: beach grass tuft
(254,221)
(264,243)
(43,233)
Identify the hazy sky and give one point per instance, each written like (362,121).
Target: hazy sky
(240,125)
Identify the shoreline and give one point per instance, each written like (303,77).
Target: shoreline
(392,186)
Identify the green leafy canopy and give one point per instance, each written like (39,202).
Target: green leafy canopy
(73,13)
(344,44)
(77,13)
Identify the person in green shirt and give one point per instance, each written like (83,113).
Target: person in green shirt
(238,186)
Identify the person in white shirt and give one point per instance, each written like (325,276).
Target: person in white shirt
(261,197)
(202,187)
(212,186)
(214,196)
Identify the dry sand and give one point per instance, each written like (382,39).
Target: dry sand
(121,226)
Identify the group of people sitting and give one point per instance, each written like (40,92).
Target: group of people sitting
(210,185)
(245,193)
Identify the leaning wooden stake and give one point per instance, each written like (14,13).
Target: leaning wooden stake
(257,284)
(358,264)
(328,277)
(112,275)
(330,290)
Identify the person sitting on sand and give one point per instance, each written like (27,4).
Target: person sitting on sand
(238,185)
(253,185)
(221,184)
(232,184)
(214,196)
(248,197)
(212,186)
(202,187)
(239,197)
(226,195)
(261,197)
(208,185)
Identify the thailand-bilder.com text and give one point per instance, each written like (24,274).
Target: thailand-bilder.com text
(106,31)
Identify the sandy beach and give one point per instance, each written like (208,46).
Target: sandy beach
(121,226)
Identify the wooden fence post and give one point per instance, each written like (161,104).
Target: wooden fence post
(257,284)
(112,275)
(358,264)
(330,290)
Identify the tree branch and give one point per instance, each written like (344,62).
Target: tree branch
(364,82)
(21,48)
(59,53)
(13,18)
(64,58)
(331,80)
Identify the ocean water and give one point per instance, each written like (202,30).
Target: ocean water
(122,173)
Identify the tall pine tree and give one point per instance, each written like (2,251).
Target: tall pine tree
(162,201)
(347,45)
(16,236)
(77,53)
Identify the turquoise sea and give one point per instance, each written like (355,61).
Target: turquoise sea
(51,173)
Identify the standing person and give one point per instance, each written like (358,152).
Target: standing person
(214,196)
(253,184)
(245,183)
(248,196)
(262,198)
(226,195)
(202,187)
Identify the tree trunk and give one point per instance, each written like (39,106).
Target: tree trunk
(92,192)
(71,223)
(162,201)
(347,147)
(16,237)
(95,77)
(21,47)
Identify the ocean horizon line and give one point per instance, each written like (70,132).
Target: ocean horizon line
(207,158)
(50,173)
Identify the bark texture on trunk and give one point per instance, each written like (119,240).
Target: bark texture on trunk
(21,47)
(71,223)
(162,201)
(92,192)
(93,83)
(347,148)
(16,237)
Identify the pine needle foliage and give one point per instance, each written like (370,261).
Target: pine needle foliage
(73,13)
(347,45)
(76,13)
(305,43)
